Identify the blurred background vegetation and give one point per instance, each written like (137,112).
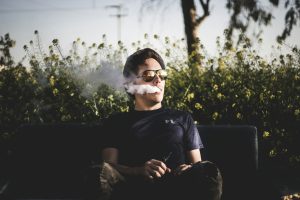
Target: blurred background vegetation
(236,86)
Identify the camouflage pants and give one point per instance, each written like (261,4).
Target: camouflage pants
(101,180)
(202,180)
(109,179)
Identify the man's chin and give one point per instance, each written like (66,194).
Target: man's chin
(157,95)
(157,100)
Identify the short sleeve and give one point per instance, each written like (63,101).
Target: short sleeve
(192,138)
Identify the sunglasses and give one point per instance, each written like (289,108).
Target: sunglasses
(149,75)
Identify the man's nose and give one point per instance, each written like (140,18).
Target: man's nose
(157,79)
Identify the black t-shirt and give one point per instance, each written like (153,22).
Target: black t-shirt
(158,134)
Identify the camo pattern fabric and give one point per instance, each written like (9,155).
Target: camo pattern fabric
(109,178)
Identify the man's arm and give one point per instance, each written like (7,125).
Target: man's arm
(110,155)
(193,156)
(152,168)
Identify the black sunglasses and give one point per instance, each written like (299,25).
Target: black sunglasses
(149,75)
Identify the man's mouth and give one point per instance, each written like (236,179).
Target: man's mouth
(142,89)
(159,89)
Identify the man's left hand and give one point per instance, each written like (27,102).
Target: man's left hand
(181,169)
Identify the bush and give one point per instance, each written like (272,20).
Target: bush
(236,86)
(239,87)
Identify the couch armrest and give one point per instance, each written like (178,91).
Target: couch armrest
(233,148)
(235,151)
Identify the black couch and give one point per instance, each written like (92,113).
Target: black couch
(50,161)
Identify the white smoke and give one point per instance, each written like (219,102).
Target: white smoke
(141,89)
(107,74)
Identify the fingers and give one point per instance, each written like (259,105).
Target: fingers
(156,168)
(149,176)
(159,164)
(168,170)
(182,168)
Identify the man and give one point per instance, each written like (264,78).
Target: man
(151,152)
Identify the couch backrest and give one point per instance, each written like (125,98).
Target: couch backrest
(50,159)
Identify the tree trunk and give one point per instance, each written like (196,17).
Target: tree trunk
(191,25)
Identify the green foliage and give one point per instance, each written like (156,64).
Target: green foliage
(50,90)
(239,87)
(5,44)
(236,86)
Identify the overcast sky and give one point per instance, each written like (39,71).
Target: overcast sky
(67,20)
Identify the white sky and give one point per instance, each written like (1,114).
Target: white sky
(67,20)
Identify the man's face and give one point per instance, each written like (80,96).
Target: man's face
(153,98)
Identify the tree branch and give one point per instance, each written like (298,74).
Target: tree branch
(205,7)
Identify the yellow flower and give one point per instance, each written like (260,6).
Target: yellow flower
(272,153)
(215,115)
(52,81)
(198,106)
(239,116)
(266,134)
(110,97)
(221,64)
(248,94)
(190,96)
(220,95)
(228,77)
(55,91)
(215,87)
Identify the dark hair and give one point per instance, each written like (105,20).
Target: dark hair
(138,58)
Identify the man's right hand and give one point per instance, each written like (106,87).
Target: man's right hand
(153,169)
